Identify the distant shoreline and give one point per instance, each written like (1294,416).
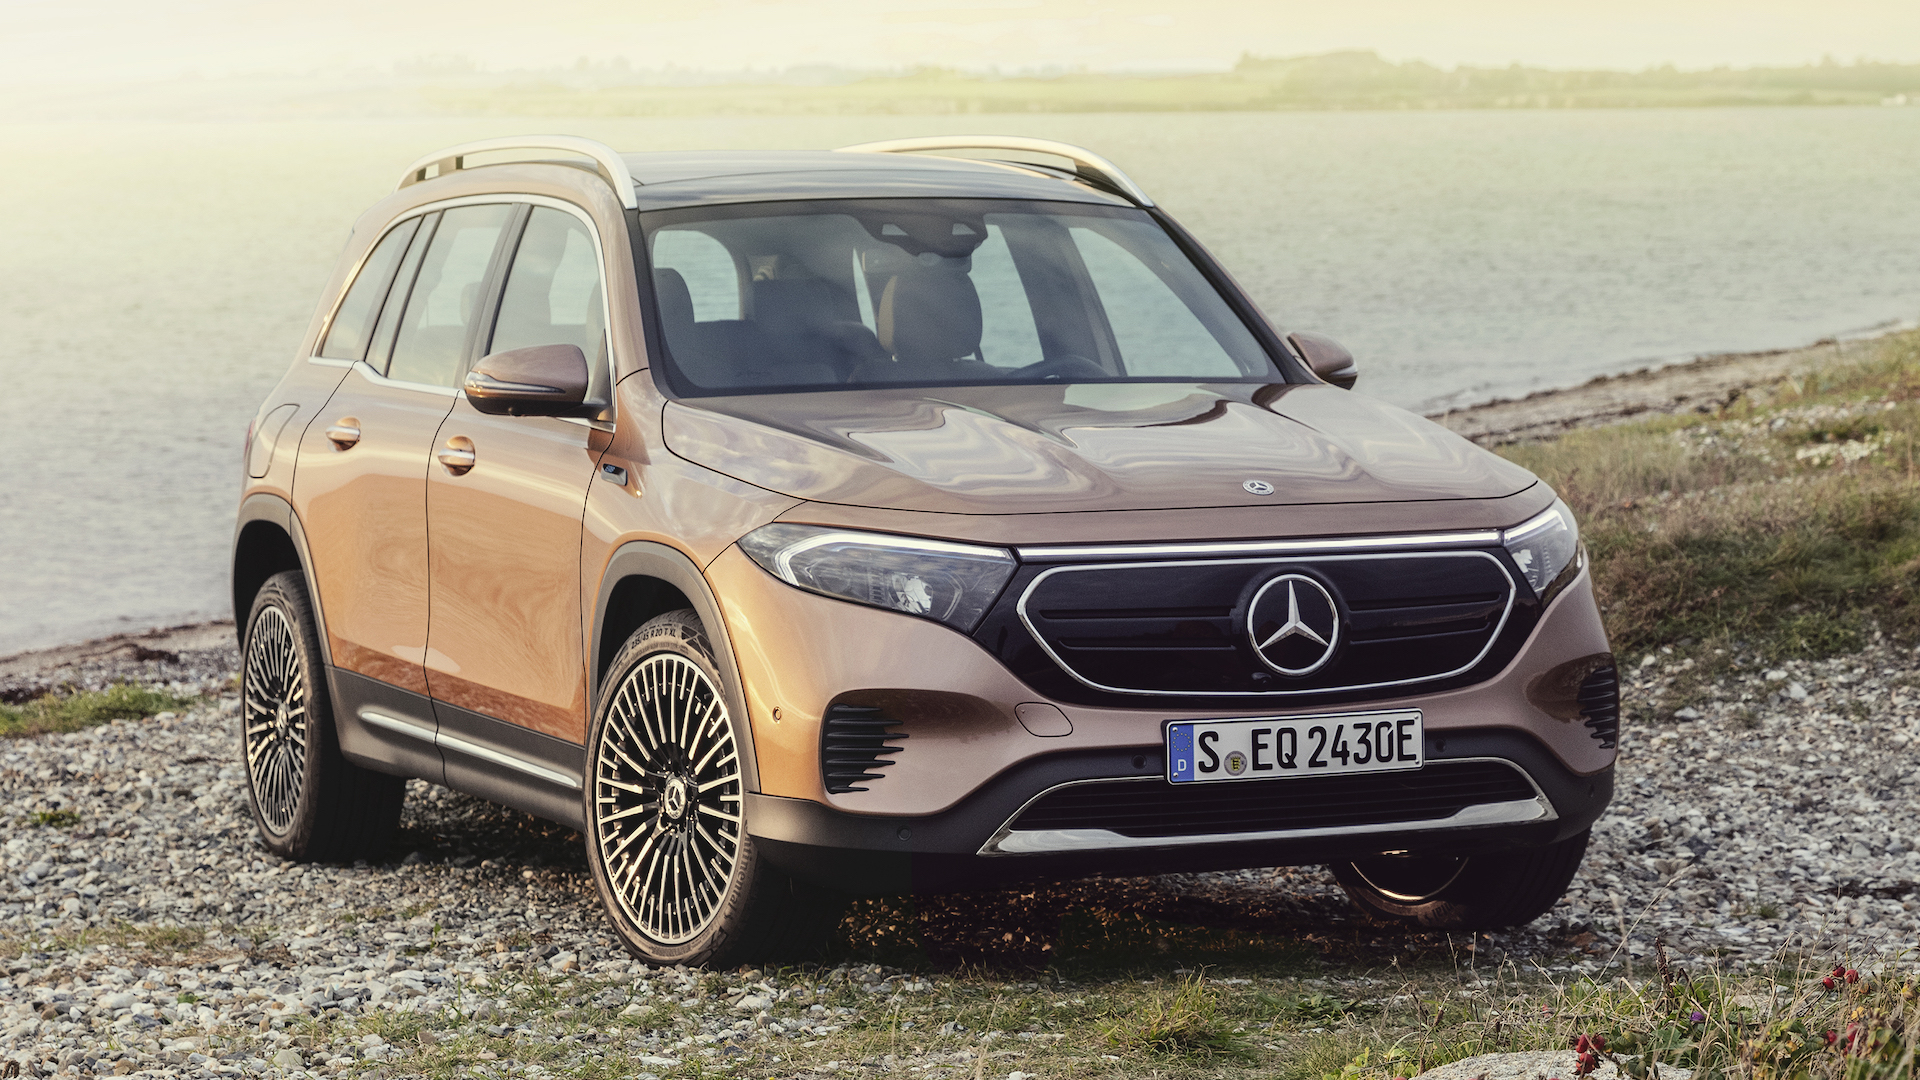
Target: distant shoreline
(1706,382)
(1350,81)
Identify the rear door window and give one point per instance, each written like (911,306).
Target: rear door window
(447,295)
(352,325)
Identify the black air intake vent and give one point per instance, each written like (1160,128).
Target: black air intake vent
(1599,700)
(855,746)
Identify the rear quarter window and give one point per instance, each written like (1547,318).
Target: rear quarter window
(352,325)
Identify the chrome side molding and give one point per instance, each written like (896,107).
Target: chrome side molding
(470,749)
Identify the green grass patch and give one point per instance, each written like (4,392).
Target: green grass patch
(1183,1020)
(51,819)
(86,708)
(1787,524)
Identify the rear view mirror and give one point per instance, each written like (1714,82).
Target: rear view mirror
(1328,358)
(539,380)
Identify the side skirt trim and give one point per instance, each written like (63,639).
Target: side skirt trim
(461,746)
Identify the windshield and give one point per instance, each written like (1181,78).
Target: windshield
(929,292)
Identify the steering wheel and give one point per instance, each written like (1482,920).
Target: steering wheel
(1062,367)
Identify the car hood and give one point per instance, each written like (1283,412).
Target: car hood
(1055,449)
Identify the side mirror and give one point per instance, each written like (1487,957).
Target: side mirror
(539,380)
(1328,358)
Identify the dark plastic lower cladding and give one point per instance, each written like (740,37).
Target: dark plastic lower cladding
(855,746)
(1152,808)
(1183,628)
(1599,699)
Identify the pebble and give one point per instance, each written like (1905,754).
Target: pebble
(1533,1065)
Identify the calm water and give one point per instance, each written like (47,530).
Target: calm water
(155,280)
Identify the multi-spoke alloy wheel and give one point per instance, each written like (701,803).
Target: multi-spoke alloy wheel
(666,796)
(275,738)
(666,807)
(308,801)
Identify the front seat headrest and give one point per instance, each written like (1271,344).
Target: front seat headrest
(929,315)
(675,299)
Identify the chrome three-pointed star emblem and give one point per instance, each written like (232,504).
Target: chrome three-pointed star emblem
(1294,624)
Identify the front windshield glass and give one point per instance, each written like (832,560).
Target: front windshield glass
(935,292)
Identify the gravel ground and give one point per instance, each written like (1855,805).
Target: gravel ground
(145,930)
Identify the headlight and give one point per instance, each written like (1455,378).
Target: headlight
(952,583)
(1544,547)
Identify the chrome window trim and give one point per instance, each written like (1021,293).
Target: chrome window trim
(366,371)
(453,742)
(1074,553)
(1513,590)
(1008,841)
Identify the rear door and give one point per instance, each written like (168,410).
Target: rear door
(504,655)
(360,485)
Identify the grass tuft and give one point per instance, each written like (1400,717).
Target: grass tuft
(1183,1020)
(1787,523)
(51,819)
(86,708)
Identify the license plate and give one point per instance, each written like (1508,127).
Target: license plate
(1271,748)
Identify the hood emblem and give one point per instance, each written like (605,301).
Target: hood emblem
(1294,624)
(1258,487)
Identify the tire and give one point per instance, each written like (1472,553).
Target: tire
(1478,892)
(679,877)
(309,803)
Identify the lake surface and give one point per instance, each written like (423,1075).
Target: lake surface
(155,279)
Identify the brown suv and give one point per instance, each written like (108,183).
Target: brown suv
(802,524)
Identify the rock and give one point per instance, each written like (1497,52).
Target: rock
(288,1058)
(1796,691)
(1531,1065)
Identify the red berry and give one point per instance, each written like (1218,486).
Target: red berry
(1839,971)
(1831,1036)
(1580,1045)
(1853,976)
(1600,1042)
(1828,982)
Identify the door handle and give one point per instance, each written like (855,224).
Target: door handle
(457,455)
(344,433)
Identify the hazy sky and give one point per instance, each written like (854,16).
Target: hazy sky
(43,40)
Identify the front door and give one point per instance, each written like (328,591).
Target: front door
(504,534)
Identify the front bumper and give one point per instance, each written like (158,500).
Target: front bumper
(976,844)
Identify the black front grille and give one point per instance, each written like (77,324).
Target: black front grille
(1155,808)
(854,746)
(1182,627)
(1599,699)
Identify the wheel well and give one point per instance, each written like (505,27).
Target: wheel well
(262,550)
(632,603)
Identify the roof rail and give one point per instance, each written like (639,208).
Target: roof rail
(453,159)
(1088,165)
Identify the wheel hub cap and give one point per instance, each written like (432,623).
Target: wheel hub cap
(674,800)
